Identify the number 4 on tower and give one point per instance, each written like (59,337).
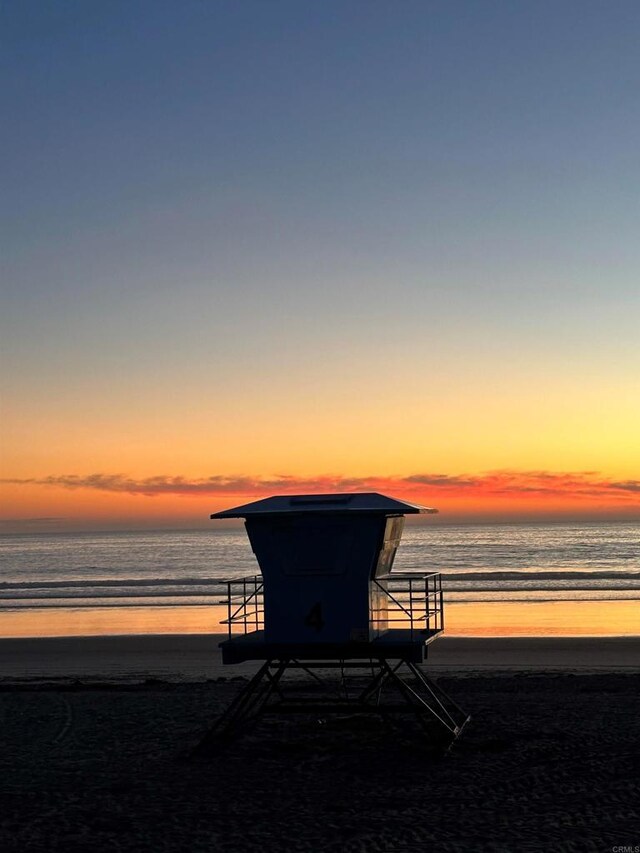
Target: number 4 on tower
(314,619)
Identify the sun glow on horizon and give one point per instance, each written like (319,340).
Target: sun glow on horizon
(99,500)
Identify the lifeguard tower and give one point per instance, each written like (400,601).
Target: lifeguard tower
(327,601)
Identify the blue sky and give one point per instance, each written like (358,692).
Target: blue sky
(347,201)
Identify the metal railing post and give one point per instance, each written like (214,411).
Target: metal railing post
(411,607)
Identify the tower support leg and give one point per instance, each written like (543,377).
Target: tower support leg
(244,710)
(437,714)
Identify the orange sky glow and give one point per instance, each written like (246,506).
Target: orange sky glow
(118,501)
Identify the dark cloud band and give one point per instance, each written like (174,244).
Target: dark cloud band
(586,485)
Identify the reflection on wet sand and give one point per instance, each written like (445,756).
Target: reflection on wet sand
(111,621)
(498,619)
(550,618)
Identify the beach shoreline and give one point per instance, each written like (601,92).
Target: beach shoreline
(196,657)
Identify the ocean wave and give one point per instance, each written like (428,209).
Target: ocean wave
(116,593)
(120,582)
(449,577)
(178,602)
(533,575)
(463,582)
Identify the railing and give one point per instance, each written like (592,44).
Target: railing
(408,601)
(245,605)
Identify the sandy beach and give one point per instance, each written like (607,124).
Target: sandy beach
(196,657)
(96,736)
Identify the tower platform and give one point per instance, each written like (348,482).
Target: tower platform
(395,644)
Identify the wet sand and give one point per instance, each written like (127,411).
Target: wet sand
(94,759)
(196,657)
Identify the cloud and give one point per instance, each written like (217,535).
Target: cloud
(442,481)
(176,485)
(628,485)
(585,485)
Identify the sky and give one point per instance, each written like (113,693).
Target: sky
(262,247)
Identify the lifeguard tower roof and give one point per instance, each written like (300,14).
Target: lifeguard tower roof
(356,502)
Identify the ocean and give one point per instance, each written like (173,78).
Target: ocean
(499,564)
